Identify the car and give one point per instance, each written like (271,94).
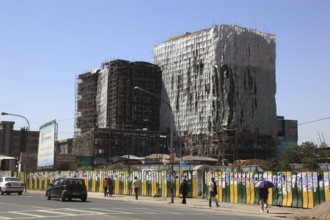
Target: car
(11,185)
(67,188)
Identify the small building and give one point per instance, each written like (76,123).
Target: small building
(287,134)
(8,163)
(64,157)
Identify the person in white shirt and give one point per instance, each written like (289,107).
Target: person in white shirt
(136,185)
(213,192)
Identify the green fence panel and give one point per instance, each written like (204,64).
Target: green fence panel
(205,188)
(149,187)
(121,182)
(90,183)
(294,189)
(299,191)
(256,176)
(168,184)
(316,191)
(97,184)
(243,188)
(321,187)
(188,176)
(239,187)
(227,187)
(280,189)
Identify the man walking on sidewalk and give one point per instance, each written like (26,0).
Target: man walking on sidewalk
(213,192)
(263,197)
(136,186)
(184,191)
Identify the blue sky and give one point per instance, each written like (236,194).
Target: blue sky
(45,44)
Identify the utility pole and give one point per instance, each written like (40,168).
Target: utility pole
(171,148)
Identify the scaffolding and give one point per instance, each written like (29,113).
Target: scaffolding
(221,85)
(111,118)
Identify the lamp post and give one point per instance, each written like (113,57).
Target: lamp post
(26,138)
(5,113)
(171,138)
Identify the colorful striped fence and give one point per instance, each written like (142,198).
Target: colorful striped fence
(292,189)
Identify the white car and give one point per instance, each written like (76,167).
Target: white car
(11,185)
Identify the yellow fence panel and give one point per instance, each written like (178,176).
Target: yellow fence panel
(326,185)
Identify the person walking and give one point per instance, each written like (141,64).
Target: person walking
(263,198)
(105,186)
(213,192)
(184,190)
(110,187)
(136,184)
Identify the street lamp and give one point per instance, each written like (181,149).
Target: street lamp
(26,138)
(171,138)
(5,113)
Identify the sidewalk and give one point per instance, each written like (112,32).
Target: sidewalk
(274,211)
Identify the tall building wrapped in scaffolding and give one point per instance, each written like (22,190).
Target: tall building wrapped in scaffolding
(111,118)
(221,85)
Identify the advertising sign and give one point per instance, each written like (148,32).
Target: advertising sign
(46,151)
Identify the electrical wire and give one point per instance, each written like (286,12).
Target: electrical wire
(321,119)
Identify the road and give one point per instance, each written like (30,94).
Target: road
(36,206)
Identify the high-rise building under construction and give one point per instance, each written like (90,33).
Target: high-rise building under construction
(220,83)
(112,119)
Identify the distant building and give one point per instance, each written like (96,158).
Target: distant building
(16,143)
(287,134)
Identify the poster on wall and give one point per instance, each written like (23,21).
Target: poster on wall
(46,150)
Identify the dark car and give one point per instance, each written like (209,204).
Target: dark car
(67,188)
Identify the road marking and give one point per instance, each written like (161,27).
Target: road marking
(56,212)
(147,211)
(114,210)
(27,214)
(85,211)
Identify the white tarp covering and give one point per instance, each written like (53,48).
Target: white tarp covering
(219,78)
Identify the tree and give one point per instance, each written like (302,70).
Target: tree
(309,164)
(292,155)
(275,164)
(306,154)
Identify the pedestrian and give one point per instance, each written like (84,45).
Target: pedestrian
(184,190)
(105,186)
(110,187)
(263,198)
(213,192)
(136,186)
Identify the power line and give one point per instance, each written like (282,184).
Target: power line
(321,119)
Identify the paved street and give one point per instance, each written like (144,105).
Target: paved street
(33,205)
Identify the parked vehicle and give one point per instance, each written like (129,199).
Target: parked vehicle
(67,188)
(11,185)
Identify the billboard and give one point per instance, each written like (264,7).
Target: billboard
(46,151)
